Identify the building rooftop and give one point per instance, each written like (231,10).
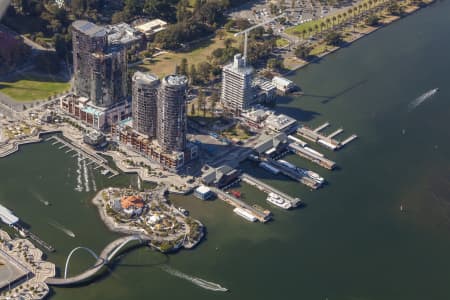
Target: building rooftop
(176,79)
(152,26)
(144,78)
(203,190)
(122,33)
(89,28)
(129,201)
(279,122)
(238,66)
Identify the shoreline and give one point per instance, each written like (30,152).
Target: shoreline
(371,30)
(98,199)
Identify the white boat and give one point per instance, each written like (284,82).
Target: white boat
(279,201)
(314,176)
(242,212)
(104,172)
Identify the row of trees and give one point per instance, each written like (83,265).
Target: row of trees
(394,8)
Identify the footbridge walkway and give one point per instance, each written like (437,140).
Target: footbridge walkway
(104,258)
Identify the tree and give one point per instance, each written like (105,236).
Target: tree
(395,9)
(133,7)
(201,101)
(372,20)
(193,74)
(204,70)
(228,42)
(275,64)
(302,51)
(184,66)
(334,39)
(118,17)
(220,34)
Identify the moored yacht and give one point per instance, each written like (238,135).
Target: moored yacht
(279,201)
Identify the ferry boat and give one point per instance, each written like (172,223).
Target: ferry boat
(314,176)
(242,212)
(269,168)
(304,172)
(287,164)
(278,201)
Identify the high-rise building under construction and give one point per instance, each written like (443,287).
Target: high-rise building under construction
(100,65)
(172,118)
(237,94)
(145,97)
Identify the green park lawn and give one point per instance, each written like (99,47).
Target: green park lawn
(28,89)
(164,64)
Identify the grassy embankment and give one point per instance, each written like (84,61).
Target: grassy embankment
(32,88)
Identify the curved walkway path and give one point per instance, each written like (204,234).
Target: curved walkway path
(107,254)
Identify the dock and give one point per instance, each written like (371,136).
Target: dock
(93,158)
(336,133)
(329,141)
(313,157)
(349,139)
(293,175)
(322,127)
(269,189)
(262,216)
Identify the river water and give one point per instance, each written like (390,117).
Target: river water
(350,241)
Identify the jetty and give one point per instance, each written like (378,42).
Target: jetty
(313,156)
(328,141)
(261,215)
(93,158)
(269,189)
(294,175)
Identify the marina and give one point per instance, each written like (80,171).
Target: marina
(269,189)
(85,155)
(329,142)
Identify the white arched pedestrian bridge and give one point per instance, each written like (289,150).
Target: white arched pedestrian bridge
(104,258)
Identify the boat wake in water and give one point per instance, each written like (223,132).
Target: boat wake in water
(62,228)
(422,99)
(195,280)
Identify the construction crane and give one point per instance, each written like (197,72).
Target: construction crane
(246,31)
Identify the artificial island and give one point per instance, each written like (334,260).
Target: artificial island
(183,136)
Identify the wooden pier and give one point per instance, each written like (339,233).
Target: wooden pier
(336,133)
(322,127)
(329,142)
(262,216)
(317,159)
(269,189)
